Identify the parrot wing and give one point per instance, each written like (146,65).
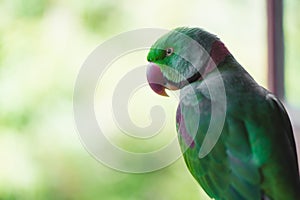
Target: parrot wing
(227,172)
(281,112)
(280,170)
(245,162)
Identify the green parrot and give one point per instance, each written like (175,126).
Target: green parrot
(253,155)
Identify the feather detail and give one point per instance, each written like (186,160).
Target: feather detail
(189,141)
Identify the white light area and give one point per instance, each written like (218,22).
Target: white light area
(139,104)
(16,169)
(108,82)
(245,36)
(57,129)
(144,99)
(165,14)
(58,27)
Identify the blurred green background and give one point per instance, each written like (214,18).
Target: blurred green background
(42,46)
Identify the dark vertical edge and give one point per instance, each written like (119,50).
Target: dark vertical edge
(275,47)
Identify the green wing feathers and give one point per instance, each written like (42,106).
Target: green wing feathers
(253,159)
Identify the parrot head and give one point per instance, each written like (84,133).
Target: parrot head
(182,56)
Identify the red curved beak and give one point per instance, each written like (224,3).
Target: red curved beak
(156,79)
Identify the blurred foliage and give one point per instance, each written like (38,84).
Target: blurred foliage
(30,8)
(107,11)
(42,46)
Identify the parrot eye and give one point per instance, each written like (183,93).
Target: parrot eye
(169,51)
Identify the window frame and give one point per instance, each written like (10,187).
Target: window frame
(276,58)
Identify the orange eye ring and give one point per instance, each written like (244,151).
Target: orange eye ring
(169,51)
